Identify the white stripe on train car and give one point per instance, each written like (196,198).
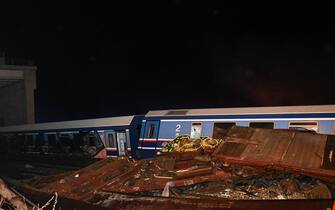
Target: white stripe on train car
(115,149)
(251,119)
(150,148)
(111,149)
(154,140)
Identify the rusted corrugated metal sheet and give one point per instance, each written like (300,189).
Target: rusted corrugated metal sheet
(293,150)
(128,176)
(81,184)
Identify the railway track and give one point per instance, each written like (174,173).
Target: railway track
(28,169)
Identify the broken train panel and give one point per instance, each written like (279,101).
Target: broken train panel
(301,152)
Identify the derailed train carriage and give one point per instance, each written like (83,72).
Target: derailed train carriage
(114,136)
(144,136)
(160,127)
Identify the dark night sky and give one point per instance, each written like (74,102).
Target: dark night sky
(126,57)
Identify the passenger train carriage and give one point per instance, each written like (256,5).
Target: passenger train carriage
(163,126)
(144,136)
(116,136)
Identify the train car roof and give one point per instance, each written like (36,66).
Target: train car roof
(74,124)
(245,111)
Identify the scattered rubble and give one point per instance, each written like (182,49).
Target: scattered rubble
(184,143)
(12,200)
(271,186)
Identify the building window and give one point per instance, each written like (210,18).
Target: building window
(304,126)
(262,125)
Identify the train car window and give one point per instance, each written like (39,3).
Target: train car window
(304,126)
(97,141)
(51,139)
(17,141)
(128,138)
(65,139)
(14,143)
(110,140)
(3,145)
(262,125)
(78,142)
(40,140)
(29,139)
(66,142)
(196,130)
(92,139)
(151,131)
(221,129)
(102,136)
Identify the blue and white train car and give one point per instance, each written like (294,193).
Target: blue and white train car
(163,126)
(115,135)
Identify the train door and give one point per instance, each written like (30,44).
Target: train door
(121,143)
(109,141)
(150,138)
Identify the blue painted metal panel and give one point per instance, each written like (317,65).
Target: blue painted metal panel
(327,127)
(242,123)
(134,134)
(148,144)
(113,153)
(143,153)
(169,130)
(281,124)
(147,153)
(207,128)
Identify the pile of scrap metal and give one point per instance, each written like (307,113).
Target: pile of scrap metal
(250,169)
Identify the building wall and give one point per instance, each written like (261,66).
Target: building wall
(12,104)
(17,86)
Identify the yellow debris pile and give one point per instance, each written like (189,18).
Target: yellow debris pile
(184,143)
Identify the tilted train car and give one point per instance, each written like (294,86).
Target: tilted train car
(143,136)
(114,136)
(163,126)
